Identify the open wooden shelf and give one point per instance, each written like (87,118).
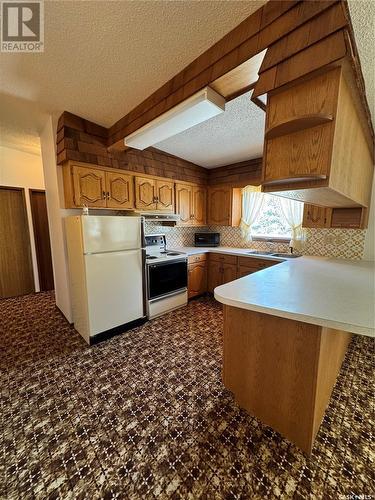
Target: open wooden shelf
(297,124)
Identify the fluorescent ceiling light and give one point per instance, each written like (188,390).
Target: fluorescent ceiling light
(196,109)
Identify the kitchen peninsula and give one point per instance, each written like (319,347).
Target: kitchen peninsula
(286,331)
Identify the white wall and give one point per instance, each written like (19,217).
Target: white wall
(25,170)
(369,252)
(54,196)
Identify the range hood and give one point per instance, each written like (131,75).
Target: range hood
(160,217)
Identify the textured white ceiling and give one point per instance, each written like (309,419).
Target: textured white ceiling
(233,136)
(102,58)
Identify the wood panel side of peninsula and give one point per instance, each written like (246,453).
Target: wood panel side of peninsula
(282,371)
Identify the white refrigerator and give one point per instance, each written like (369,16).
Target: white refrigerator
(106,268)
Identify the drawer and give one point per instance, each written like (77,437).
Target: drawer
(255,263)
(245,270)
(220,257)
(201,257)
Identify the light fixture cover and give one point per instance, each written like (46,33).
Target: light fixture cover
(196,109)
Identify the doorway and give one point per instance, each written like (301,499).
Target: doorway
(16,269)
(42,239)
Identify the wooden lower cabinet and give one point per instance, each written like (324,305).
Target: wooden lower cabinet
(207,271)
(224,268)
(229,272)
(215,275)
(197,279)
(248,265)
(221,269)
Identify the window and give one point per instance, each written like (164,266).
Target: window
(271,217)
(270,222)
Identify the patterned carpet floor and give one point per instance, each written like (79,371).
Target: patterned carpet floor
(144,415)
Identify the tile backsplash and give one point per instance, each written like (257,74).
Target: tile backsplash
(334,243)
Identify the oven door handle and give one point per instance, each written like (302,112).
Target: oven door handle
(166,263)
(167,295)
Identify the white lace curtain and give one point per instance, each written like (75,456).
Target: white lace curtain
(293,214)
(252,201)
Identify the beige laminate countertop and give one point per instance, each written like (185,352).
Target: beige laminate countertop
(227,251)
(334,293)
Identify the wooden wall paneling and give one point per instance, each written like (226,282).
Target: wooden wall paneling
(42,239)
(322,53)
(16,269)
(150,161)
(309,33)
(237,174)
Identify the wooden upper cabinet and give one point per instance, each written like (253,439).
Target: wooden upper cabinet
(322,217)
(224,206)
(199,201)
(165,195)
(89,187)
(184,206)
(314,216)
(191,201)
(145,193)
(120,190)
(315,147)
(296,147)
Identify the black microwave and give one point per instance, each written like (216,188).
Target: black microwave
(207,239)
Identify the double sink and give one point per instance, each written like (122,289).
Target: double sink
(284,255)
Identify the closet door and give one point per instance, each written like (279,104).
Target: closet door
(16,270)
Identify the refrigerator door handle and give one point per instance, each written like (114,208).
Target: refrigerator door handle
(113,251)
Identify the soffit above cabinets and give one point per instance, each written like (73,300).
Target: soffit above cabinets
(233,136)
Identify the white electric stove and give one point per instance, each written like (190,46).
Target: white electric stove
(166,276)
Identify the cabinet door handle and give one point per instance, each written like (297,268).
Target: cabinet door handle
(104,195)
(108,195)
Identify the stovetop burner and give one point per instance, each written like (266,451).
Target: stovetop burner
(156,249)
